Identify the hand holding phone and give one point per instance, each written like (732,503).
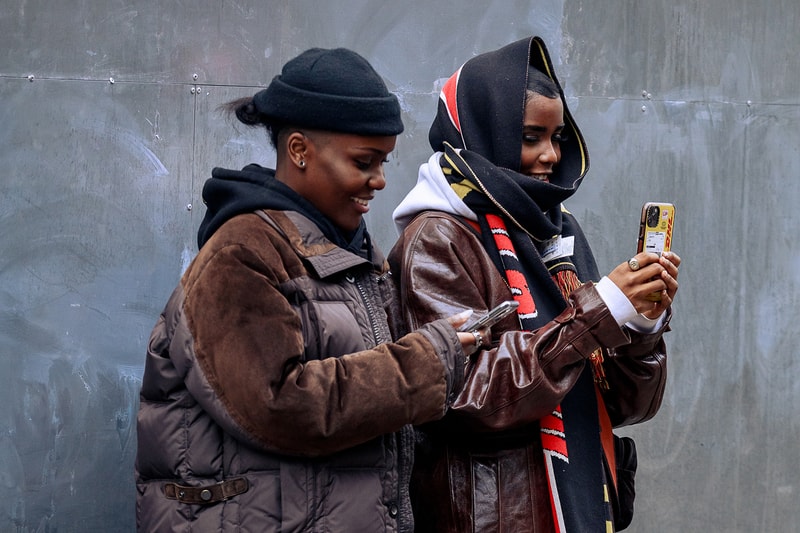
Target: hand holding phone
(492,317)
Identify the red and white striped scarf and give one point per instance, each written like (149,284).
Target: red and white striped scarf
(566,473)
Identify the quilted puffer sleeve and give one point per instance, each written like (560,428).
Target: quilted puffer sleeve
(243,356)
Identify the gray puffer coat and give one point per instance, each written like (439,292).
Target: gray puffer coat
(272,399)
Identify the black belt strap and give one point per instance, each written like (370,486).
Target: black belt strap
(218,492)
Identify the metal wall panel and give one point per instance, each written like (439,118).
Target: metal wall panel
(104,154)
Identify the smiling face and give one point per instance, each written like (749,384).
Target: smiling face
(340,173)
(542,135)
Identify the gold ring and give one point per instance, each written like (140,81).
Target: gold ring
(634,264)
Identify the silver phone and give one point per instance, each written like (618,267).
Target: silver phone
(492,317)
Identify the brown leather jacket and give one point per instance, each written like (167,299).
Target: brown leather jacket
(480,468)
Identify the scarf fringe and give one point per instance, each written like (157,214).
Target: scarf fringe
(568,281)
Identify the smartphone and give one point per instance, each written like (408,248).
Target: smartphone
(655,232)
(492,317)
(655,227)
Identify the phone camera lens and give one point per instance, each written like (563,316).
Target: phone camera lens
(652,216)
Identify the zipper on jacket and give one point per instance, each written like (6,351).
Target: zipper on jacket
(368,304)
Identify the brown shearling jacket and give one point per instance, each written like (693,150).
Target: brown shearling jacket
(481,456)
(273,398)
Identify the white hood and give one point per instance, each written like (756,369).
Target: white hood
(431,193)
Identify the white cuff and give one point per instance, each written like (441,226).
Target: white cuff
(622,309)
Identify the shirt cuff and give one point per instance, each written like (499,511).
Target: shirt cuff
(622,309)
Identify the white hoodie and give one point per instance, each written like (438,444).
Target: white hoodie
(431,193)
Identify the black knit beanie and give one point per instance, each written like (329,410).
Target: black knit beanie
(331,90)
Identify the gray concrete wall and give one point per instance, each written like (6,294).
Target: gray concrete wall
(108,128)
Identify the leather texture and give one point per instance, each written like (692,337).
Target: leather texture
(480,468)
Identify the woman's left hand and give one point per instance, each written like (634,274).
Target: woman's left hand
(661,271)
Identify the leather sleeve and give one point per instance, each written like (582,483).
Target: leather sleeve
(443,269)
(637,375)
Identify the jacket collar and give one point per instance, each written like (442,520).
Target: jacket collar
(322,256)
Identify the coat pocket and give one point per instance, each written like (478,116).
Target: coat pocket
(329,317)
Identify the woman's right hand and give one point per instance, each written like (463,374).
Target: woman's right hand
(469,341)
(654,274)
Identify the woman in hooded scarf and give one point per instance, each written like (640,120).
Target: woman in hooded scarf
(527,445)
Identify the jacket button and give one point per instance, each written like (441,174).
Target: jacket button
(205,495)
(393,511)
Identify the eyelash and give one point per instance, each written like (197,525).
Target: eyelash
(558,137)
(364,165)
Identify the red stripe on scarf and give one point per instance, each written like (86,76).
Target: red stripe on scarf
(521,292)
(553,438)
(501,239)
(448,96)
(516,279)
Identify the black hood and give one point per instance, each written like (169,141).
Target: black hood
(481,109)
(234,192)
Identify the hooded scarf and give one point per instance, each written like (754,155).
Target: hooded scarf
(234,192)
(537,246)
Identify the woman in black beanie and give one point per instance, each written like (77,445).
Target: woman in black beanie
(273,397)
